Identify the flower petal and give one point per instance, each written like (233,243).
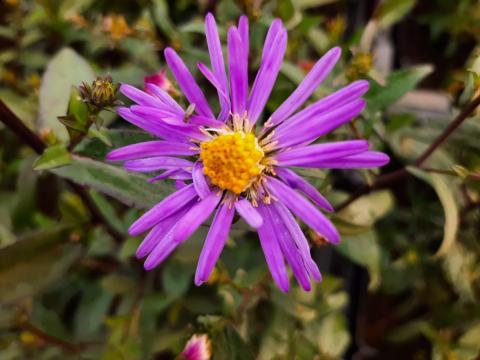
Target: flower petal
(158,119)
(214,243)
(218,65)
(200,212)
(174,174)
(151,148)
(153,128)
(161,251)
(222,94)
(290,251)
(158,232)
(164,97)
(238,66)
(156,163)
(299,183)
(368,159)
(273,30)
(272,59)
(199,181)
(141,97)
(170,205)
(318,73)
(341,97)
(187,83)
(311,130)
(307,155)
(272,251)
(243,31)
(205,121)
(249,213)
(299,238)
(301,207)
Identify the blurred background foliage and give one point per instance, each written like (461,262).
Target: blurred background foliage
(403,283)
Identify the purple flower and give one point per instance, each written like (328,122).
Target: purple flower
(222,165)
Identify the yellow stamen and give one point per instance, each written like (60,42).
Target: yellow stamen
(232,160)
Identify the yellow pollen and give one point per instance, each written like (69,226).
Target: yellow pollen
(232,161)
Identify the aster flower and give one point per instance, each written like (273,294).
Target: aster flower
(198,347)
(223,164)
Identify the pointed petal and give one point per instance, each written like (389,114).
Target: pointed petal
(158,232)
(156,163)
(299,183)
(249,213)
(153,128)
(174,174)
(238,66)
(272,59)
(222,94)
(187,83)
(339,98)
(311,130)
(290,251)
(218,65)
(164,97)
(319,72)
(301,207)
(141,97)
(170,205)
(272,251)
(307,155)
(195,217)
(243,31)
(199,181)
(161,251)
(368,159)
(175,126)
(149,149)
(214,243)
(299,238)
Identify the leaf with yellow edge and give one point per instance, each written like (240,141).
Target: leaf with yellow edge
(450,206)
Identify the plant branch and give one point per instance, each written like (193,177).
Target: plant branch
(385,180)
(28,137)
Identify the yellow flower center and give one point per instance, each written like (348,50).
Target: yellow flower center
(232,161)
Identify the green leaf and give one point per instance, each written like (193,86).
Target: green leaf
(398,84)
(132,189)
(65,69)
(364,249)
(52,157)
(176,278)
(364,212)
(449,203)
(392,11)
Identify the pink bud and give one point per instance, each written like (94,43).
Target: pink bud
(197,348)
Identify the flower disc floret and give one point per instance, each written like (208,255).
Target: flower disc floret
(232,161)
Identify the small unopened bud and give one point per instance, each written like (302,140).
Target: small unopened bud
(101,93)
(198,347)
(162,81)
